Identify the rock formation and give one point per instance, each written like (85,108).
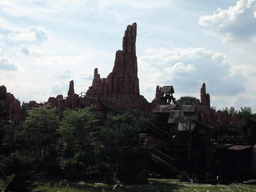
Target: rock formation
(71,90)
(159,94)
(205,98)
(9,106)
(207,115)
(72,101)
(32,104)
(210,116)
(122,84)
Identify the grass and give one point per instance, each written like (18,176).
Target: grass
(155,185)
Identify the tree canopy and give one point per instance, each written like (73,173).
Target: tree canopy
(185,100)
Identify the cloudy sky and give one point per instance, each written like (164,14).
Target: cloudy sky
(44,44)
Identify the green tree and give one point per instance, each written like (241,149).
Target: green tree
(77,136)
(39,130)
(245,114)
(230,111)
(120,152)
(185,100)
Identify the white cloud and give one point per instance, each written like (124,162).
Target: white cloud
(62,60)
(86,76)
(138,4)
(11,36)
(189,68)
(59,89)
(238,101)
(19,36)
(244,70)
(180,68)
(23,36)
(25,51)
(64,75)
(7,63)
(234,25)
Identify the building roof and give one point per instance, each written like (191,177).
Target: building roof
(163,108)
(187,114)
(167,89)
(174,116)
(223,145)
(188,108)
(239,147)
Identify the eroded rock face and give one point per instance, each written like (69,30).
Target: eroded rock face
(157,100)
(205,97)
(207,114)
(53,101)
(71,90)
(9,106)
(122,84)
(73,102)
(32,104)
(3,92)
(210,116)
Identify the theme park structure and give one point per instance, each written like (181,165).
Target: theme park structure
(186,138)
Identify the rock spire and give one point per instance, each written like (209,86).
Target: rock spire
(205,97)
(122,83)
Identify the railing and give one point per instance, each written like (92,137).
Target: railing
(166,165)
(113,106)
(121,109)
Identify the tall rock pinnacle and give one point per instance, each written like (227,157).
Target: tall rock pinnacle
(126,60)
(122,83)
(125,68)
(71,90)
(205,98)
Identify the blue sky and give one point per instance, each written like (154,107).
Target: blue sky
(44,44)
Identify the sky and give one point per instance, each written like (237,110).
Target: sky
(44,44)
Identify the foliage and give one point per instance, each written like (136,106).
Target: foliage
(78,141)
(7,129)
(243,113)
(120,152)
(39,140)
(24,109)
(21,168)
(40,130)
(244,117)
(185,100)
(76,146)
(5,181)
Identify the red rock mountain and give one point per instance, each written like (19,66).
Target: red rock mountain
(122,84)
